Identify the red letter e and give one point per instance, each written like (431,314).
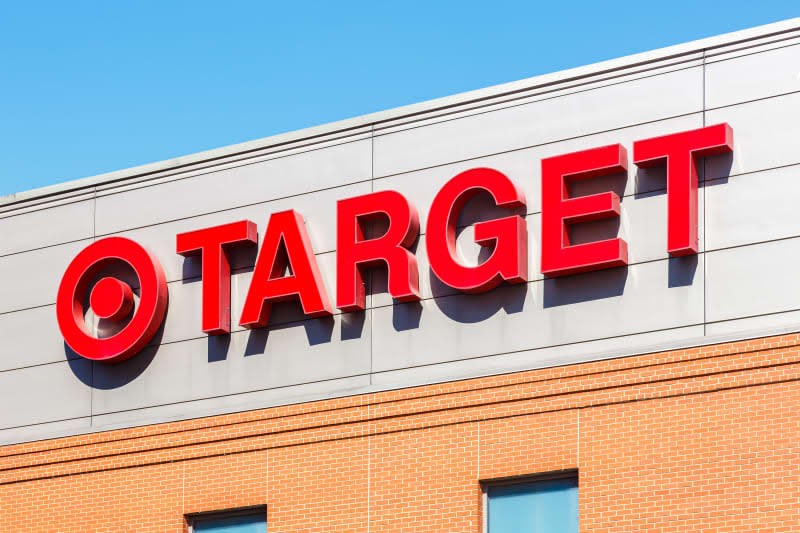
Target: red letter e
(559,258)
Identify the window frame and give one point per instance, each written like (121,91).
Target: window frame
(191,518)
(522,479)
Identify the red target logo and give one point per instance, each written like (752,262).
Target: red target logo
(112,300)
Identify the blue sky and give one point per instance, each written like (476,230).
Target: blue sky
(91,87)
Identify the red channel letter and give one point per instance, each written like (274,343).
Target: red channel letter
(111,299)
(354,253)
(269,286)
(559,258)
(211,244)
(508,235)
(680,152)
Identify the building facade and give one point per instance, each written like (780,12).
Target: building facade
(611,378)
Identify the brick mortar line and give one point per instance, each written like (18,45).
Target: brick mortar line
(521,396)
(459,387)
(354,435)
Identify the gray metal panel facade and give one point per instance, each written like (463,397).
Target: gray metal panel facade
(744,277)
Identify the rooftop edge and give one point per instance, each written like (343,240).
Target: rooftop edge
(411,110)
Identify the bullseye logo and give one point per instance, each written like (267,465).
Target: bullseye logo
(111,300)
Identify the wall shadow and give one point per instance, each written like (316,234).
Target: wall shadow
(611,182)
(217,347)
(650,181)
(474,308)
(482,207)
(107,376)
(241,259)
(256,341)
(681,270)
(317,330)
(596,230)
(716,169)
(711,170)
(119,270)
(584,287)
(353,324)
(406,316)
(78,366)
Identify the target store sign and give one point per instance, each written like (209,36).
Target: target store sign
(286,247)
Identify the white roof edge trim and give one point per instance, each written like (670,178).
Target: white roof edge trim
(362,121)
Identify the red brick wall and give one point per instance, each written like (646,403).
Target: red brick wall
(703,439)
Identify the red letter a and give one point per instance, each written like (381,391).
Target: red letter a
(268,286)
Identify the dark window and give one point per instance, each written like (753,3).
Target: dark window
(235,522)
